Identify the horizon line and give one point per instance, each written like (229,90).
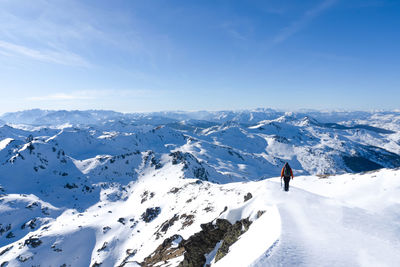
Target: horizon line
(299,110)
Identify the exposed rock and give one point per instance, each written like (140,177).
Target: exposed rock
(32,205)
(121,220)
(189,160)
(231,236)
(177,157)
(174,190)
(247,196)
(151,214)
(166,225)
(70,186)
(201,173)
(199,244)
(156,163)
(169,249)
(188,220)
(203,242)
(31,224)
(106,229)
(24,258)
(146,195)
(151,158)
(33,242)
(134,223)
(193,249)
(259,213)
(103,247)
(209,208)
(10,235)
(5,250)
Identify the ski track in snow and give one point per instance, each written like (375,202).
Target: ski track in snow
(318,231)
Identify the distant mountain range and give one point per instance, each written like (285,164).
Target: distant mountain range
(54,117)
(228,145)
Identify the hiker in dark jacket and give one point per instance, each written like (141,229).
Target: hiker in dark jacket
(286,173)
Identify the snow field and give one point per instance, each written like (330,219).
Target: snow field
(337,227)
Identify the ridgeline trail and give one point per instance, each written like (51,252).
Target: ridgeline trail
(320,231)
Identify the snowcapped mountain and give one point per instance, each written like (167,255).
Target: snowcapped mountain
(51,117)
(189,188)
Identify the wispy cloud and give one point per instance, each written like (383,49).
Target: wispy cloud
(237,35)
(332,57)
(52,56)
(76,33)
(305,19)
(96,94)
(240,30)
(59,97)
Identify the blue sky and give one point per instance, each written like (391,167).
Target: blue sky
(135,56)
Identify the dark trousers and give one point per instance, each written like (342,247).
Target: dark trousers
(287,180)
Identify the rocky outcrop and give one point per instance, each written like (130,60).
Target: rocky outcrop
(169,249)
(203,242)
(195,247)
(248,196)
(166,225)
(190,163)
(33,242)
(150,214)
(231,236)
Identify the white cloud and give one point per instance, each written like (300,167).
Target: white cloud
(299,24)
(69,32)
(239,29)
(96,94)
(59,97)
(52,56)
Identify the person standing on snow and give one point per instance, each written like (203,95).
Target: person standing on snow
(286,173)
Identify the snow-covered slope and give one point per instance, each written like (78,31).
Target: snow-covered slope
(188,189)
(347,220)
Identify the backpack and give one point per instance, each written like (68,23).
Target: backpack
(286,171)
